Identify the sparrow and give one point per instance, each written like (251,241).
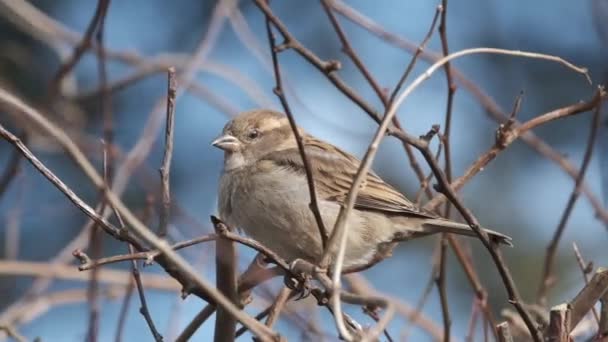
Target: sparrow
(263,191)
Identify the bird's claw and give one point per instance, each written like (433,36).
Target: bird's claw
(298,281)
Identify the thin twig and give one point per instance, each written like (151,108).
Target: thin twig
(12,168)
(105,104)
(359,285)
(95,244)
(440,281)
(165,169)
(469,337)
(547,278)
(508,133)
(124,311)
(585,270)
(83,46)
(148,256)
(445,137)
(142,299)
(384,98)
(198,320)
(419,50)
(278,90)
(143,309)
(105,107)
(419,306)
(350,52)
(277,306)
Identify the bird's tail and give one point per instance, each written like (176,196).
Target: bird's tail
(427,226)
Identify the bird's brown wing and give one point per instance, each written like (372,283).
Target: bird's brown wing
(334,171)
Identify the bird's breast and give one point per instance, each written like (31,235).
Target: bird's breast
(262,202)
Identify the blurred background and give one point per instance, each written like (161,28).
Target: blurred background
(520,193)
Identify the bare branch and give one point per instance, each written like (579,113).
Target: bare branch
(277,306)
(490,106)
(165,169)
(559,324)
(588,296)
(67,272)
(142,299)
(278,90)
(173,258)
(548,278)
(83,46)
(226,282)
(504,333)
(12,169)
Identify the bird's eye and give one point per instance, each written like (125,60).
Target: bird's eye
(253,134)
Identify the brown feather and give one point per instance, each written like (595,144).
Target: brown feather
(334,171)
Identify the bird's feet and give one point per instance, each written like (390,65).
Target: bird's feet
(299,280)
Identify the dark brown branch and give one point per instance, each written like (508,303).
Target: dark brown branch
(165,169)
(278,90)
(547,278)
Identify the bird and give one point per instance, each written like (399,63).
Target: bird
(263,192)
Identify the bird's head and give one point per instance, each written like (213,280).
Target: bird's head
(253,134)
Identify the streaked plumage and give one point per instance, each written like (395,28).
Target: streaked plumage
(263,191)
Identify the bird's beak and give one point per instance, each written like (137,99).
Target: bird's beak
(227,142)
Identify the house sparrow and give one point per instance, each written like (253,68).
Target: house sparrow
(264,192)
